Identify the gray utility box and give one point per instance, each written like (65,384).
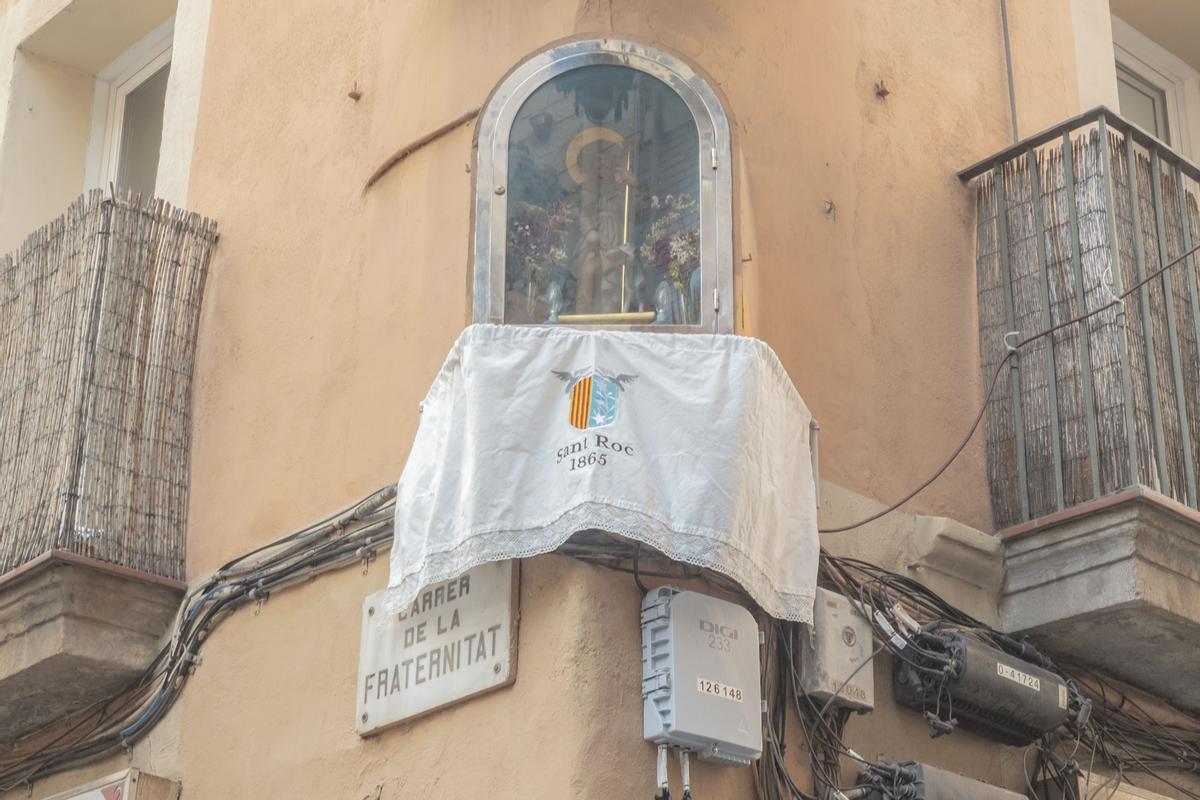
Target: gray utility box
(700,676)
(840,643)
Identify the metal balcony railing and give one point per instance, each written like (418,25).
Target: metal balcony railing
(1066,219)
(98,316)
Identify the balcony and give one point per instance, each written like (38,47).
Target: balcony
(1093,432)
(98,316)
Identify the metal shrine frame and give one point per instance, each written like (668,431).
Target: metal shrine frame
(715,201)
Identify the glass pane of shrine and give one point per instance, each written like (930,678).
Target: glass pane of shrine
(603,203)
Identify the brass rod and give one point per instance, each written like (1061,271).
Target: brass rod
(624,318)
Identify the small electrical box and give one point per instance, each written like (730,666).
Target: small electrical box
(832,659)
(700,676)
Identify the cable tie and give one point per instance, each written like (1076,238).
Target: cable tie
(904,620)
(938,726)
(898,641)
(1085,712)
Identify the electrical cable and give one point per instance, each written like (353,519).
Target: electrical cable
(637,573)
(664,785)
(1119,730)
(117,723)
(991,387)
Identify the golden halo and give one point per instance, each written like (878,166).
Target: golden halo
(582,140)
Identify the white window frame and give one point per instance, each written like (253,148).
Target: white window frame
(113,84)
(1177,80)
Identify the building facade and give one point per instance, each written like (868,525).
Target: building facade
(337,147)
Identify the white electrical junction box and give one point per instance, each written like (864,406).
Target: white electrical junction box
(700,676)
(831,660)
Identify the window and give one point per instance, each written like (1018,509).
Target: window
(127,119)
(603,194)
(1143,103)
(1156,90)
(141,113)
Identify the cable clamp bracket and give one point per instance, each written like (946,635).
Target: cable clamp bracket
(658,681)
(655,612)
(367,554)
(259,595)
(1010,341)
(1114,299)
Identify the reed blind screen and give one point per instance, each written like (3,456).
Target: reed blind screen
(1065,225)
(98,318)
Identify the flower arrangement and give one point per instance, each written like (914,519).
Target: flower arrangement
(537,236)
(537,246)
(673,242)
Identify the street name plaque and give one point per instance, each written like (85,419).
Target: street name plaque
(457,640)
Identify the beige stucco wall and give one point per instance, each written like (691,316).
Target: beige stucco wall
(1094,56)
(51,52)
(569,726)
(329,309)
(42,151)
(45,111)
(558,729)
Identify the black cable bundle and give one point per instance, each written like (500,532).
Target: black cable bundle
(102,729)
(1108,725)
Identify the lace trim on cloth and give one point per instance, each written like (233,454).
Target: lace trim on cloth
(691,548)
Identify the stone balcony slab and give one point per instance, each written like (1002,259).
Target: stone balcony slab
(1114,584)
(74,631)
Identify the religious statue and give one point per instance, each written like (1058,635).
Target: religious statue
(598,160)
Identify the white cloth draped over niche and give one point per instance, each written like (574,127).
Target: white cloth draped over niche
(694,444)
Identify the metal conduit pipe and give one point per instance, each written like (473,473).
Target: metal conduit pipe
(1008,63)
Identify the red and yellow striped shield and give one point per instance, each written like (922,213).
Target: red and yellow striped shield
(581,403)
